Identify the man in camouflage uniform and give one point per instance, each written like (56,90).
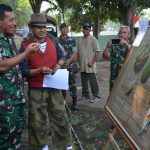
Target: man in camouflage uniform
(117,53)
(44,102)
(12,119)
(69,46)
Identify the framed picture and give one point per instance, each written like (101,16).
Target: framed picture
(129,102)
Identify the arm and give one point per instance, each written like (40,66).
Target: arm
(96,49)
(106,52)
(61,57)
(69,60)
(43,70)
(11,62)
(126,43)
(95,58)
(74,49)
(73,55)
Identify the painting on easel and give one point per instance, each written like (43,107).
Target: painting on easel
(129,103)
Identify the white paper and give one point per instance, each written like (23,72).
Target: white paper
(141,33)
(58,81)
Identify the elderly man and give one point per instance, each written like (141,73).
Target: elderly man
(44,101)
(12,102)
(117,53)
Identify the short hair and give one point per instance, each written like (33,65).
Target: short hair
(125,26)
(4,8)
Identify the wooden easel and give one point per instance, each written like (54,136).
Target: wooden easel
(112,140)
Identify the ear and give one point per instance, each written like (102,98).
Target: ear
(129,34)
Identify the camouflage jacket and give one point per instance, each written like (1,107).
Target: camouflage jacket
(68,44)
(118,54)
(11,91)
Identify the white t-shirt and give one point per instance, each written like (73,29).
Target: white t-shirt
(43,47)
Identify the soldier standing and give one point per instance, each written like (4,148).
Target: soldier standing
(70,50)
(12,102)
(117,53)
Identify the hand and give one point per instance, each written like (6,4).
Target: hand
(90,64)
(33,47)
(46,70)
(67,63)
(57,66)
(109,44)
(124,42)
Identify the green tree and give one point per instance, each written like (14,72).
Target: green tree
(93,11)
(125,10)
(22,10)
(98,11)
(36,5)
(61,6)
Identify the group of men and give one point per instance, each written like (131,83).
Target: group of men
(39,55)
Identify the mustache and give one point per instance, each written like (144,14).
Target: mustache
(42,32)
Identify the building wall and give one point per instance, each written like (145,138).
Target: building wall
(103,39)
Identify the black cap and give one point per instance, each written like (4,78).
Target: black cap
(87,25)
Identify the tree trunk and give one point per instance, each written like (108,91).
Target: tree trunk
(36,5)
(63,16)
(129,18)
(96,28)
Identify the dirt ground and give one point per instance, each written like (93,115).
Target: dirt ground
(94,136)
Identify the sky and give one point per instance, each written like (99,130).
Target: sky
(44,6)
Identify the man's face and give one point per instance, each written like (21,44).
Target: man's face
(124,34)
(86,32)
(39,32)
(8,24)
(64,31)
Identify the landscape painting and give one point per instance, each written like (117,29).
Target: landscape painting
(129,103)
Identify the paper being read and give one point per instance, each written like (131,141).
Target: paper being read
(58,81)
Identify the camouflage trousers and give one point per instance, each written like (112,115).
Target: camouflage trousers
(112,81)
(72,84)
(12,122)
(48,103)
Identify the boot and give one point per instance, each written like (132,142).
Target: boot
(64,94)
(74,104)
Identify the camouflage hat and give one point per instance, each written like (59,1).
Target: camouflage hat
(63,25)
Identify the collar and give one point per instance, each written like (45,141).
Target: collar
(86,37)
(61,37)
(6,38)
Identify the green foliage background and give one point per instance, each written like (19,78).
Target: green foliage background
(22,10)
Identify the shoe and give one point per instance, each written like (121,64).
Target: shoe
(69,148)
(94,100)
(74,104)
(74,107)
(98,96)
(45,147)
(84,98)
